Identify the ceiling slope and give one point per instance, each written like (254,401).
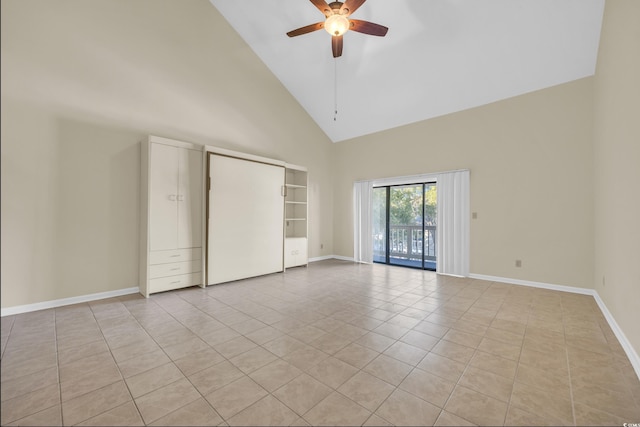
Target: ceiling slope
(439,56)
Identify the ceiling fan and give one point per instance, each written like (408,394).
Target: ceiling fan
(337,23)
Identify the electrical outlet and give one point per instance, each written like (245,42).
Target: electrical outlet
(518,263)
(474,215)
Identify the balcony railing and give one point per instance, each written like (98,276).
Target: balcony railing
(406,242)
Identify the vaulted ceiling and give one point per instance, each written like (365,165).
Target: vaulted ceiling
(439,56)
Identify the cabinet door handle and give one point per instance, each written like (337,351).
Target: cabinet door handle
(172,197)
(175,283)
(174,256)
(174,269)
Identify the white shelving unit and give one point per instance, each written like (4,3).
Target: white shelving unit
(295,216)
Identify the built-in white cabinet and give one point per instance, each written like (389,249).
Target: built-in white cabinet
(296,216)
(171,215)
(211,215)
(295,249)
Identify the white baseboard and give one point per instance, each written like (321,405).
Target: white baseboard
(326,257)
(344,258)
(321,258)
(571,289)
(19,309)
(622,338)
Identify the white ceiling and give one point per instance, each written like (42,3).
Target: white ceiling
(439,56)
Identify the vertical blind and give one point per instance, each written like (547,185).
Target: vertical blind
(362,226)
(453,223)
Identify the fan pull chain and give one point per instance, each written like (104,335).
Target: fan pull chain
(335,89)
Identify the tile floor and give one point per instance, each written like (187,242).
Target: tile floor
(332,344)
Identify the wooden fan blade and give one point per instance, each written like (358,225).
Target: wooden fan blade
(306,29)
(367,27)
(336,46)
(322,6)
(350,6)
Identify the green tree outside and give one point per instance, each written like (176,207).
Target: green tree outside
(405,209)
(406,205)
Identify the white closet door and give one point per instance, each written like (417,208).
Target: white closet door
(163,183)
(246,228)
(189,198)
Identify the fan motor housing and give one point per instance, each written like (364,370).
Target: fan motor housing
(335,6)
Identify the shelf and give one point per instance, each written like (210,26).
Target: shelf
(296,220)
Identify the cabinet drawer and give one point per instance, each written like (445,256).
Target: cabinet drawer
(175,255)
(174,269)
(174,282)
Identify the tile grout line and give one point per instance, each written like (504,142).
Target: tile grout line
(4,349)
(515,374)
(57,372)
(467,366)
(506,413)
(13,320)
(566,353)
(173,362)
(115,362)
(396,387)
(55,334)
(162,349)
(269,393)
(335,389)
(439,340)
(303,372)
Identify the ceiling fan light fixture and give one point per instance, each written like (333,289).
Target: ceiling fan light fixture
(336,25)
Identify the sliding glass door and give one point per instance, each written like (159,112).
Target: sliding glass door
(404,225)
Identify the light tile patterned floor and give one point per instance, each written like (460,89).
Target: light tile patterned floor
(332,344)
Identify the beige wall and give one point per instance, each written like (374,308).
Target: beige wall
(617,166)
(531,183)
(82,83)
